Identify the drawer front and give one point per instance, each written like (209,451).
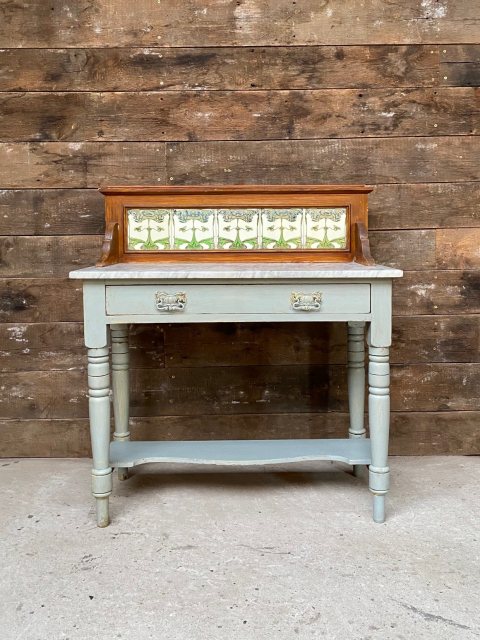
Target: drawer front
(187,299)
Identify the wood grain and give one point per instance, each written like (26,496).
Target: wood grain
(52,438)
(239,68)
(411,433)
(47,256)
(50,212)
(40,300)
(437,292)
(42,346)
(242,390)
(391,206)
(430,339)
(264,22)
(230,68)
(238,390)
(238,115)
(407,250)
(110,253)
(460,65)
(458,248)
(80,164)
(376,160)
(417,339)
(50,346)
(87,90)
(46,346)
(418,206)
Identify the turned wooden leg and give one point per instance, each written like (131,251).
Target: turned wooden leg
(99,410)
(356,383)
(120,386)
(379,419)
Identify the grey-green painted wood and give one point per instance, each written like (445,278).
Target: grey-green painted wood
(99,411)
(240,452)
(379,340)
(237,299)
(380,330)
(356,382)
(379,420)
(120,386)
(95,326)
(178,317)
(258,293)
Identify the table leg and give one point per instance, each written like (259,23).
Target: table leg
(99,410)
(379,419)
(356,383)
(120,386)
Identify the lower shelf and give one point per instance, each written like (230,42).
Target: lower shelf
(239,452)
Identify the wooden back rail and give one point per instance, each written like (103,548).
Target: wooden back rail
(121,198)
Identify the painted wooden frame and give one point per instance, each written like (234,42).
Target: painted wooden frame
(279,223)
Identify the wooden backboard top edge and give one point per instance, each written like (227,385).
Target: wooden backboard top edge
(237,188)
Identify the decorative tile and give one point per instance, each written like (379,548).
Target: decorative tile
(193,229)
(326,228)
(282,228)
(148,229)
(237,229)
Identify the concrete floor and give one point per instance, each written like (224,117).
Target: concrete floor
(240,556)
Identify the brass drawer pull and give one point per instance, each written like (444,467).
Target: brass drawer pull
(170,301)
(306,301)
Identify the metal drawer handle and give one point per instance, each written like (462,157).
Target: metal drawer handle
(306,301)
(170,301)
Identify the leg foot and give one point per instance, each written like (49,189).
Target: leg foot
(122,473)
(378,508)
(103,518)
(358,470)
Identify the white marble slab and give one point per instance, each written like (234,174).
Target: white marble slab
(227,271)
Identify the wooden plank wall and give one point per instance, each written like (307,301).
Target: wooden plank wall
(244,91)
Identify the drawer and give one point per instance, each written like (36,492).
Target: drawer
(197,299)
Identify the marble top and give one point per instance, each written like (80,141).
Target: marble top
(225,271)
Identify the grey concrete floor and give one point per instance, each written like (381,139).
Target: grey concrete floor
(240,556)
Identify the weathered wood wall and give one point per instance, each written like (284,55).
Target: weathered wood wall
(259,91)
